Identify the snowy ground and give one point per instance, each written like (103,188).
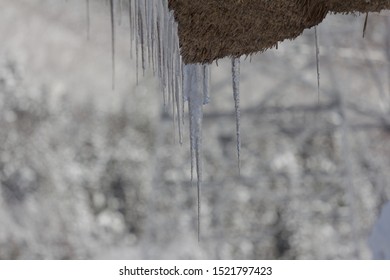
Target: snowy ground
(88,172)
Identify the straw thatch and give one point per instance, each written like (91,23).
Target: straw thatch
(213,29)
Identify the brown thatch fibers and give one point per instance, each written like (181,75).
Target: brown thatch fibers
(213,29)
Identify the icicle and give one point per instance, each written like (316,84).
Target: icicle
(136,32)
(206,84)
(169,65)
(147,31)
(154,34)
(159,55)
(161,48)
(179,105)
(194,77)
(142,29)
(171,80)
(317,62)
(131,24)
(236,96)
(87,18)
(187,84)
(149,17)
(183,90)
(365,25)
(112,42)
(165,51)
(154,39)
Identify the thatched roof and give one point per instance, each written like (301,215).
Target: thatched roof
(213,29)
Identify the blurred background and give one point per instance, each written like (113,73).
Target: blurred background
(91,172)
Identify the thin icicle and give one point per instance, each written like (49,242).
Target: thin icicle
(317,62)
(236,96)
(171,69)
(162,14)
(206,84)
(365,25)
(165,54)
(142,30)
(147,32)
(149,20)
(187,84)
(131,24)
(387,45)
(171,79)
(88,18)
(169,55)
(160,64)
(112,42)
(152,40)
(178,99)
(183,90)
(136,32)
(177,102)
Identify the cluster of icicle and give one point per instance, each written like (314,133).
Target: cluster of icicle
(154,33)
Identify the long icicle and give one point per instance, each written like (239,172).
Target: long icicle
(197,112)
(317,62)
(194,76)
(112,42)
(142,30)
(177,100)
(187,84)
(236,96)
(136,32)
(154,34)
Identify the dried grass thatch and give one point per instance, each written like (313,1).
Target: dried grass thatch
(213,29)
